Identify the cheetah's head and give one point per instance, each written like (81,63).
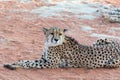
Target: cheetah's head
(54,36)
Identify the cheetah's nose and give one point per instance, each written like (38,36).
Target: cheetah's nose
(56,40)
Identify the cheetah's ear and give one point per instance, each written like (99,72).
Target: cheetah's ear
(44,30)
(64,30)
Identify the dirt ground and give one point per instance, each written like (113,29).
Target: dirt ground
(21,38)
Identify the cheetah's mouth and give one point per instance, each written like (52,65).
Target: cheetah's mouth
(52,43)
(55,42)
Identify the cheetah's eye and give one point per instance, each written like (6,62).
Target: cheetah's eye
(60,34)
(51,33)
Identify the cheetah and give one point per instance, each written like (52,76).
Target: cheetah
(63,51)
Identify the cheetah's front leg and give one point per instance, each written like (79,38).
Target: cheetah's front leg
(27,64)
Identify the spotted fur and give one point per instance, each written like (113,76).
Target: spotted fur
(67,52)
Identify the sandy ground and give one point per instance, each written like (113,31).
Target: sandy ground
(21,38)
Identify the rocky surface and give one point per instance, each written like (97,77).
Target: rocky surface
(21,36)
